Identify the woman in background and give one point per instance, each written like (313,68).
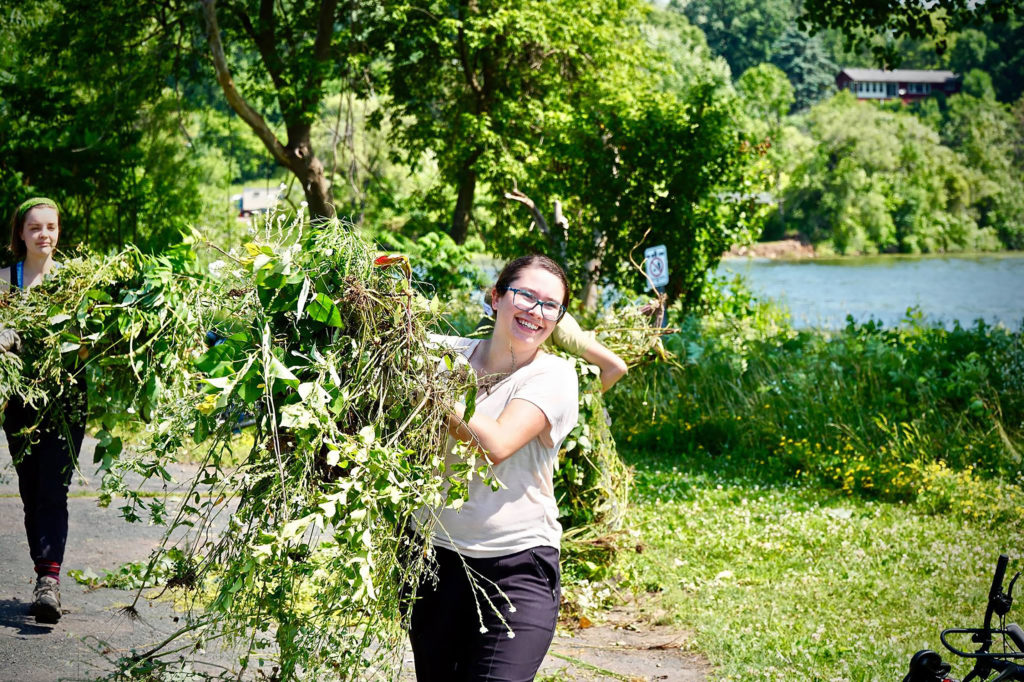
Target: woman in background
(44,445)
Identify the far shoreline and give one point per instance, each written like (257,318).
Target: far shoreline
(800,249)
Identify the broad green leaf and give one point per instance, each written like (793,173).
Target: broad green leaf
(295,416)
(305,389)
(277,370)
(367,434)
(323,310)
(201,431)
(470,403)
(261,261)
(217,359)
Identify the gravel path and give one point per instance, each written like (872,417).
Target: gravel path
(93,633)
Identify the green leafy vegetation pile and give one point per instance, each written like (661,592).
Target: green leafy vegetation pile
(123,322)
(592,484)
(323,350)
(301,549)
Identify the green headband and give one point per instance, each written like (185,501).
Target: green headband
(28,205)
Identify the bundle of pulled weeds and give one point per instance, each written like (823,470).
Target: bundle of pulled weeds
(119,321)
(592,482)
(325,349)
(631,333)
(300,553)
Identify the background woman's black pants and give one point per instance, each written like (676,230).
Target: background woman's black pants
(447,638)
(45,462)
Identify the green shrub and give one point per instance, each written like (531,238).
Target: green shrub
(866,409)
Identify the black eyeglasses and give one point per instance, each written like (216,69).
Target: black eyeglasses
(525,301)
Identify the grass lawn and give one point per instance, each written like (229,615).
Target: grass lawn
(779,582)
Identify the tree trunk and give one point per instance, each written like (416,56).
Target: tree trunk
(778,197)
(464,204)
(298,155)
(310,172)
(674,291)
(591,288)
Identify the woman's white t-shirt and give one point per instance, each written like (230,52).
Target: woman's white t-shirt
(523,513)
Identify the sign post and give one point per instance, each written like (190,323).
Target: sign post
(656,269)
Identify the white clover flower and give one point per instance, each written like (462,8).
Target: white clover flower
(216,268)
(483,630)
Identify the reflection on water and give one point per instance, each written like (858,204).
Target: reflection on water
(823,292)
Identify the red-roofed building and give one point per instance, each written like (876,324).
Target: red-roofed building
(908,85)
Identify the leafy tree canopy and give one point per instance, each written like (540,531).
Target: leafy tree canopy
(863,21)
(879,180)
(766,91)
(808,65)
(636,163)
(476,83)
(742,31)
(87,123)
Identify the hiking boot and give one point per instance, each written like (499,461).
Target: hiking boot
(46,600)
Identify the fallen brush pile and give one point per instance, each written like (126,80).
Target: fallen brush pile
(327,352)
(123,321)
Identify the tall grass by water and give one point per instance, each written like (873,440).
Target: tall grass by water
(818,505)
(914,413)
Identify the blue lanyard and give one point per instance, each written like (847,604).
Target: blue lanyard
(21,274)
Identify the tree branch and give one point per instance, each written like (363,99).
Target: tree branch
(220,63)
(560,220)
(516,195)
(467,69)
(263,39)
(324,30)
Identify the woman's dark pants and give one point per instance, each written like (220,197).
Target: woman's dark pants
(45,461)
(457,633)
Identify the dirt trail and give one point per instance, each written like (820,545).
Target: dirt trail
(93,633)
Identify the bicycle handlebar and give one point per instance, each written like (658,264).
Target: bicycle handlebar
(1016,633)
(998,603)
(983,653)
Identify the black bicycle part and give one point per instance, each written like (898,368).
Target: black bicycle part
(927,666)
(985,662)
(1016,633)
(981,633)
(984,637)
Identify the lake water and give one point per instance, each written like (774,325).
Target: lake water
(822,292)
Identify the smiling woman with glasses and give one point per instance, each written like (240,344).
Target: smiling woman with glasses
(491,613)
